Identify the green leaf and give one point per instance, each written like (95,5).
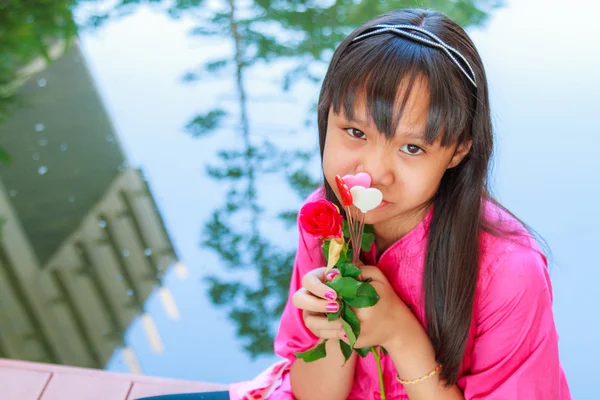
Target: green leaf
(366,296)
(348,255)
(352,320)
(333,316)
(343,256)
(346,350)
(313,354)
(367,241)
(345,287)
(384,351)
(349,270)
(345,229)
(4,156)
(349,332)
(325,248)
(363,352)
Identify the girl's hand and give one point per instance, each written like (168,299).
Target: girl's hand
(389,323)
(316,299)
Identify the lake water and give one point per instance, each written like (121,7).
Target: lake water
(146,213)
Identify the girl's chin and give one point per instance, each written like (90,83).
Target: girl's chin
(380,214)
(375,216)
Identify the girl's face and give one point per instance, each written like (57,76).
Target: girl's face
(405,169)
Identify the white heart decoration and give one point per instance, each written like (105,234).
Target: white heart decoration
(366,199)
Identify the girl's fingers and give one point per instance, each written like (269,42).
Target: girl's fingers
(313,282)
(305,300)
(321,327)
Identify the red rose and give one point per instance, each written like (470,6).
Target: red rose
(322,219)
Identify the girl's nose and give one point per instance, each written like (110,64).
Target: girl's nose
(377,165)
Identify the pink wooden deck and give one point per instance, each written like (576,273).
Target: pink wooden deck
(21,380)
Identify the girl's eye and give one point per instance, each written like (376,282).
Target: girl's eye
(411,149)
(356,133)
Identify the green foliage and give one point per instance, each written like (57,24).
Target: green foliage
(334,316)
(367,241)
(28,30)
(348,269)
(313,354)
(345,287)
(346,350)
(363,352)
(4,157)
(349,333)
(352,320)
(366,296)
(204,124)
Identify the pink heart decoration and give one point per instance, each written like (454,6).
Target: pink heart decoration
(361,179)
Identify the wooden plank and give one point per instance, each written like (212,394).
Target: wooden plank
(146,389)
(65,382)
(85,387)
(20,384)
(54,368)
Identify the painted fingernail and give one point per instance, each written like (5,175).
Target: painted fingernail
(332,307)
(330,295)
(345,336)
(332,275)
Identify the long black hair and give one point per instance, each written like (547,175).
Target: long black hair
(458,111)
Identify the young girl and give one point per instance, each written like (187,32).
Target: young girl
(465,309)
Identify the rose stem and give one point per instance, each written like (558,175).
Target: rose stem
(357,236)
(350,224)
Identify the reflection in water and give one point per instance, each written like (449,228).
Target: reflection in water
(233,230)
(29,35)
(83,243)
(255,305)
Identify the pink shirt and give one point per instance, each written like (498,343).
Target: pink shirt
(512,351)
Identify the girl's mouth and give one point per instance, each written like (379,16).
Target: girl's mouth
(382,204)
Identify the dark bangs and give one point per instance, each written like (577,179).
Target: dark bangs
(385,66)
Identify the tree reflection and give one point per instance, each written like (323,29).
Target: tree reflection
(28,30)
(233,231)
(320,28)
(260,31)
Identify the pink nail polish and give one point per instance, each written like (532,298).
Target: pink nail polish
(332,307)
(332,275)
(330,295)
(345,336)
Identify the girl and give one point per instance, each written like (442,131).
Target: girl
(465,309)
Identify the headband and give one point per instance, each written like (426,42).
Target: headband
(404,30)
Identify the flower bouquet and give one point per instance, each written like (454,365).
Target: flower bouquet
(343,240)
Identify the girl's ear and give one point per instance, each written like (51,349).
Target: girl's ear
(461,151)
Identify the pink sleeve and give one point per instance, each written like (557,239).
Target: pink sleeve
(293,335)
(515,349)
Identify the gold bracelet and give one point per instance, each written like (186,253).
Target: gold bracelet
(413,381)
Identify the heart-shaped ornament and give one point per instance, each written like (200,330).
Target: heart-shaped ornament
(361,179)
(344,191)
(366,199)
